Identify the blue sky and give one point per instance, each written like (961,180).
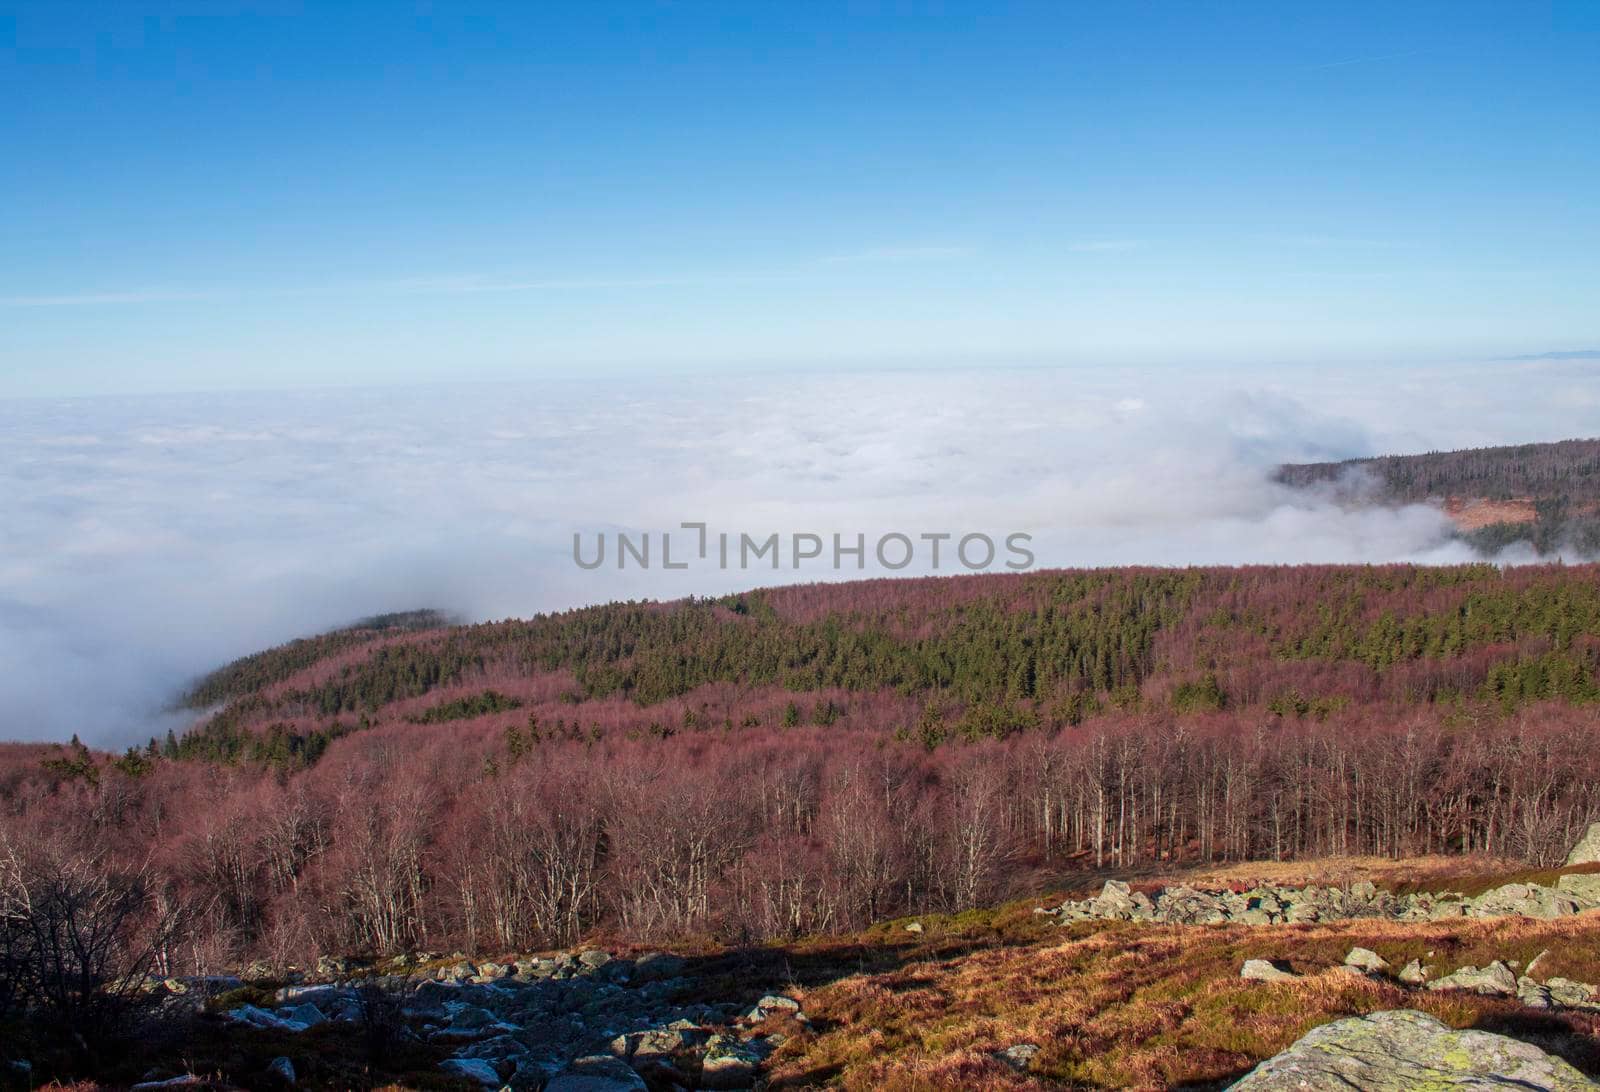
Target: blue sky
(291,195)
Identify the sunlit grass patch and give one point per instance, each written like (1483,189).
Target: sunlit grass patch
(1149,1006)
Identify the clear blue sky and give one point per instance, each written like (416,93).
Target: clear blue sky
(281,195)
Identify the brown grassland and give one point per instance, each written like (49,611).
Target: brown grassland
(1108,1004)
(1116,1005)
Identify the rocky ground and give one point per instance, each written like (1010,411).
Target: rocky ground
(1403,1051)
(1499,978)
(1276,905)
(581,1021)
(1149,986)
(586,1021)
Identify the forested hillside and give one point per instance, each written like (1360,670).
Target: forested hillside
(978,656)
(1547,495)
(813,758)
(277,664)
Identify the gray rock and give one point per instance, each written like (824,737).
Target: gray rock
(1533,995)
(1114,901)
(311,994)
(1496,979)
(1583,886)
(1569,994)
(1366,961)
(1405,1050)
(914,927)
(307,1015)
(281,1068)
(1261,970)
(264,1018)
(1185,905)
(730,1064)
(1529,900)
(459,971)
(470,1018)
(597,1073)
(1018,1057)
(536,968)
(1413,973)
(594,958)
(506,1056)
(772,1005)
(1587,851)
(656,1044)
(431,996)
(474,1069)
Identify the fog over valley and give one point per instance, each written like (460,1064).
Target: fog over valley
(149,539)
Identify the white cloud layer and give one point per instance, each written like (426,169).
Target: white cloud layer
(146,540)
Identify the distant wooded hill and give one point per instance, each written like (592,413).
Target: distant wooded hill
(977,657)
(1547,495)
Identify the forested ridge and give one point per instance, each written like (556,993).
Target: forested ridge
(1561,482)
(1567,468)
(274,665)
(1063,645)
(818,757)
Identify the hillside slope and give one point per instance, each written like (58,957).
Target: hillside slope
(1545,495)
(971,657)
(742,774)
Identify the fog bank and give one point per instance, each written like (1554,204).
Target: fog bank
(146,540)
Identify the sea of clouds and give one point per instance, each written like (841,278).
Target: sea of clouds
(145,540)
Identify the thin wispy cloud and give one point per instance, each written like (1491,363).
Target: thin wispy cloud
(1376,58)
(1333,242)
(475,283)
(1106,246)
(456,284)
(899,254)
(1564,354)
(1445,274)
(97,299)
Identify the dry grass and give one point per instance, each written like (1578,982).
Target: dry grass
(1463,875)
(1383,871)
(1475,513)
(1115,1005)
(1110,1005)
